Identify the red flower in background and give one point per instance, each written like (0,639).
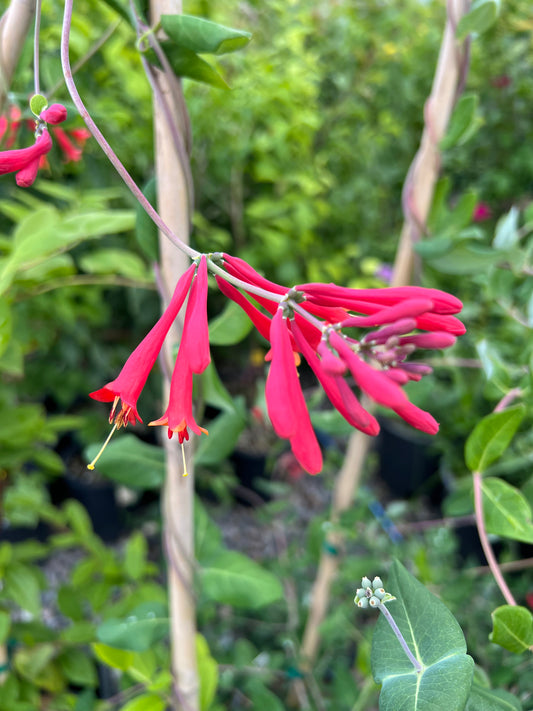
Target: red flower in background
(482,212)
(33,158)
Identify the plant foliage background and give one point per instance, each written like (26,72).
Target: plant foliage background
(298,169)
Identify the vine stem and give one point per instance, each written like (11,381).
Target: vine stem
(485,543)
(477,479)
(401,639)
(104,145)
(36,81)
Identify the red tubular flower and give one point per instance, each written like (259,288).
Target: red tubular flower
(195,337)
(178,416)
(70,151)
(259,319)
(337,389)
(193,357)
(54,114)
(25,161)
(132,378)
(286,405)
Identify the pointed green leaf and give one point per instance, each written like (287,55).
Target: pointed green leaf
(78,667)
(224,432)
(483,14)
(229,327)
(512,628)
(203,36)
(465,259)
(116,658)
(507,234)
(491,437)
(21,585)
(436,640)
(506,510)
(121,262)
(130,461)
(233,579)
(187,63)
(461,121)
(213,391)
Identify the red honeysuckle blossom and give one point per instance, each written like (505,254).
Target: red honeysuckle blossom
(376,362)
(285,401)
(25,162)
(193,357)
(131,380)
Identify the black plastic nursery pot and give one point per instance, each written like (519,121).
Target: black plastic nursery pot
(408,462)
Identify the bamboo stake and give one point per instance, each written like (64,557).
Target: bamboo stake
(14,26)
(418,195)
(178,503)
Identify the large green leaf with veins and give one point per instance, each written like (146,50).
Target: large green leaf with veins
(436,640)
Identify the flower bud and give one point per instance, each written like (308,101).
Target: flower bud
(56,113)
(377,582)
(365,582)
(374,601)
(380,593)
(361,592)
(363,602)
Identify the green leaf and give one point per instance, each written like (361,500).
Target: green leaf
(203,36)
(145,702)
(146,231)
(507,235)
(78,668)
(465,259)
(21,584)
(213,391)
(6,325)
(78,518)
(207,535)
(434,247)
(186,63)
(491,437)
(115,261)
(70,603)
(483,699)
(463,117)
(233,579)
(224,432)
(229,327)
(38,103)
(135,555)
(207,672)
(131,462)
(30,662)
(5,623)
(144,626)
(116,658)
(512,628)
(506,510)
(436,640)
(482,15)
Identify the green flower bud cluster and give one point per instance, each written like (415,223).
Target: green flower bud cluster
(372,594)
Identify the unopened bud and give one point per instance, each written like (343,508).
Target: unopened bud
(374,601)
(365,583)
(377,582)
(56,113)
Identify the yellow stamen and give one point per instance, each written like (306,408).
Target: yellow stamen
(91,465)
(185,472)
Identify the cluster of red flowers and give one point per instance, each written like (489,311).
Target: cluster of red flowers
(307,320)
(26,162)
